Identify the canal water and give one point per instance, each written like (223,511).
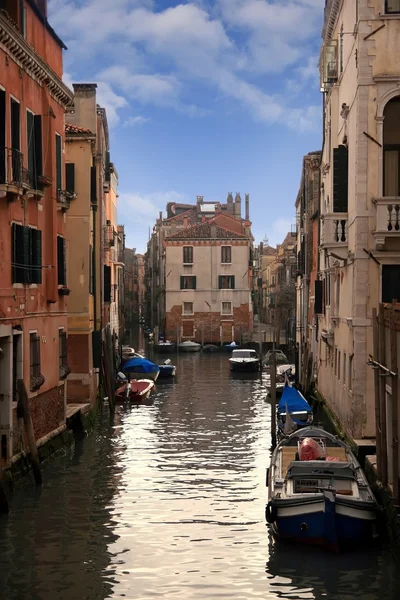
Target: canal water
(167,501)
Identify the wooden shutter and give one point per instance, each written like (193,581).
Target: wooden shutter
(93,181)
(70,177)
(182,282)
(340,179)
(194,281)
(58,162)
(318,304)
(232,282)
(220,282)
(37,125)
(30,130)
(61,262)
(15,125)
(107,283)
(17,253)
(36,255)
(390,283)
(91,269)
(3,157)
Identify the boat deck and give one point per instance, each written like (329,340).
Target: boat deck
(289,454)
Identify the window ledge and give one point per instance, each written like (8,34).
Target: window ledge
(386,17)
(188,264)
(226,264)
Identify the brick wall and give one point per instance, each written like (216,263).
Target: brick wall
(79,353)
(82,390)
(207,325)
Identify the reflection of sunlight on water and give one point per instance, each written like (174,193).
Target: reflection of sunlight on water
(168,500)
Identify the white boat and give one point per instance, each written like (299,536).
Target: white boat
(317,491)
(244,360)
(189,346)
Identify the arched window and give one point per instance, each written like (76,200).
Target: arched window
(391,148)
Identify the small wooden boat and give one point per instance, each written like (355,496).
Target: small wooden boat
(244,360)
(189,346)
(210,348)
(230,347)
(134,391)
(167,370)
(165,347)
(140,368)
(293,411)
(317,491)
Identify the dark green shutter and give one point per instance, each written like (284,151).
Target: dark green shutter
(220,282)
(390,283)
(17,253)
(93,181)
(3,122)
(91,269)
(107,283)
(107,174)
(58,163)
(61,270)
(182,282)
(233,282)
(194,282)
(340,179)
(318,308)
(35,236)
(15,125)
(30,129)
(70,177)
(37,126)
(27,255)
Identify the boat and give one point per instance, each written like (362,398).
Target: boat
(293,411)
(165,347)
(210,348)
(134,390)
(318,493)
(167,370)
(244,360)
(140,368)
(127,352)
(284,373)
(232,346)
(189,346)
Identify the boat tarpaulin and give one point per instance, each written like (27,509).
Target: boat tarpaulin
(293,400)
(140,365)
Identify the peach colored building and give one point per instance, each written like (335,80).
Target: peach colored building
(33,205)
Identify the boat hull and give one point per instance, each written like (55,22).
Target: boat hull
(140,390)
(194,348)
(165,348)
(153,375)
(241,367)
(167,371)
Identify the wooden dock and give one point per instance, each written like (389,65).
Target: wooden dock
(73,409)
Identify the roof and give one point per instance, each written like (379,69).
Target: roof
(269,251)
(190,215)
(207,230)
(69,128)
(43,18)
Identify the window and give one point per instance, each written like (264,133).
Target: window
(340,179)
(61,261)
(107,283)
(188,329)
(390,283)
(226,308)
(335,364)
(93,185)
(36,378)
(3,158)
(391,148)
(341,50)
(338,364)
(64,369)
(91,270)
(16,161)
(350,375)
(344,367)
(226,254)
(226,282)
(188,282)
(26,254)
(70,178)
(34,137)
(58,162)
(187,255)
(392,6)
(188,308)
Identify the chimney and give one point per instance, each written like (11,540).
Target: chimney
(185,222)
(199,201)
(160,215)
(229,202)
(85,106)
(42,6)
(213,232)
(247,205)
(238,206)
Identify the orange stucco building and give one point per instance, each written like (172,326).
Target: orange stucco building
(33,201)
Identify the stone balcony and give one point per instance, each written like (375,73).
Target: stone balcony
(334,233)
(387,222)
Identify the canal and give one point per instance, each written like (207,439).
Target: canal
(167,500)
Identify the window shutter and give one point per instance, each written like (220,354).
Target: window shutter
(61,262)
(93,181)
(70,177)
(36,255)
(233,282)
(318,298)
(194,282)
(17,253)
(182,282)
(390,283)
(15,125)
(107,283)
(27,255)
(91,290)
(58,163)
(220,282)
(30,129)
(2,134)
(340,179)
(37,127)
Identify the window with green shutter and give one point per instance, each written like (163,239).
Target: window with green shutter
(93,185)
(107,283)
(70,177)
(226,282)
(61,261)
(36,255)
(58,162)
(188,282)
(340,179)
(26,254)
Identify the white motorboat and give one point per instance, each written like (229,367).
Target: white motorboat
(244,360)
(189,346)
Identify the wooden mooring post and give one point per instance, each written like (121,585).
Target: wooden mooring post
(382,395)
(395,408)
(26,416)
(377,387)
(273,399)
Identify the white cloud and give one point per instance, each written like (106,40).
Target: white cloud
(277,232)
(109,100)
(144,207)
(136,121)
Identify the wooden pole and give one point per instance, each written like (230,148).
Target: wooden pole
(273,400)
(395,420)
(382,394)
(26,415)
(378,430)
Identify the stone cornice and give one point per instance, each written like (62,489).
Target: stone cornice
(25,56)
(331,13)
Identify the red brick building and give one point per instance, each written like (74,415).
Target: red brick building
(33,199)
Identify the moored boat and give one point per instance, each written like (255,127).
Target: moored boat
(230,347)
(140,368)
(134,391)
(189,346)
(244,360)
(167,370)
(165,347)
(210,348)
(293,411)
(317,491)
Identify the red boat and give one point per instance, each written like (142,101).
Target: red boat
(135,390)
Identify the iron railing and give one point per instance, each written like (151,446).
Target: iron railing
(10,166)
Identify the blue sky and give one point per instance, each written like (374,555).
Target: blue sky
(202,98)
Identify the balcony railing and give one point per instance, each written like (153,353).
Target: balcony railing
(334,230)
(32,181)
(10,167)
(64,199)
(387,224)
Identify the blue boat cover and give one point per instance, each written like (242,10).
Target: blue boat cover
(293,400)
(140,365)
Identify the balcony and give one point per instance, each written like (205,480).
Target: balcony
(334,233)
(387,223)
(10,172)
(64,199)
(33,184)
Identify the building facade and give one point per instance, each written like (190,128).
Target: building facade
(33,204)
(359,257)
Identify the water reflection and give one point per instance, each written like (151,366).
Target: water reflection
(168,500)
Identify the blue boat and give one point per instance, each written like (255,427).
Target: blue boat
(140,368)
(167,370)
(293,403)
(318,493)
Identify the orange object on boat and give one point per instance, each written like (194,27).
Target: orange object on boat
(310,450)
